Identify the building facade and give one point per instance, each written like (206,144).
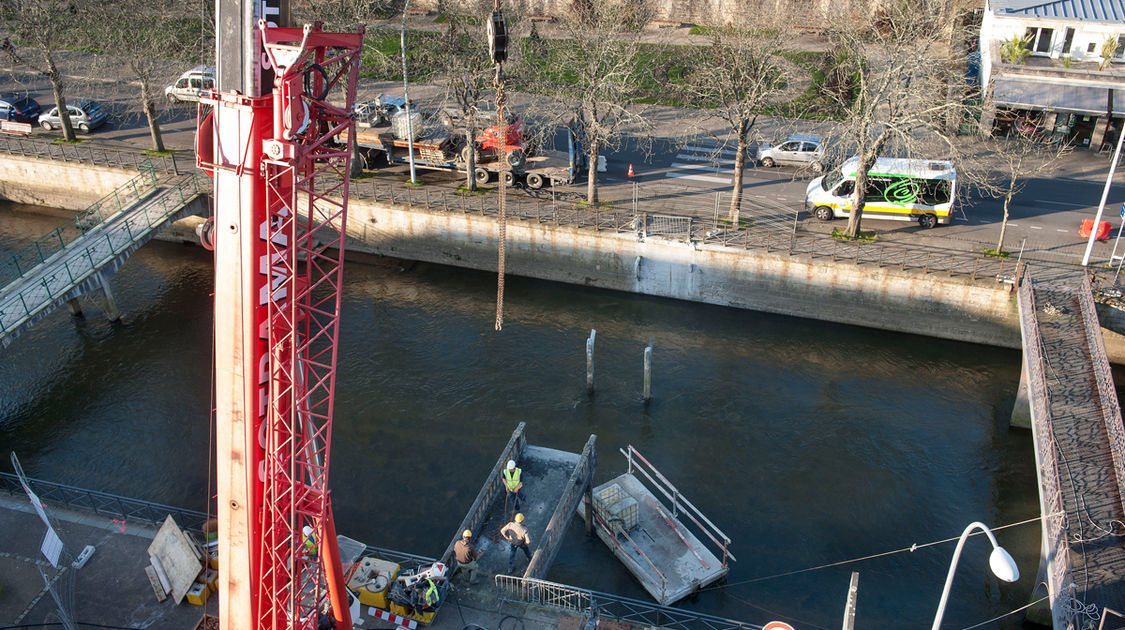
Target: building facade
(1071,85)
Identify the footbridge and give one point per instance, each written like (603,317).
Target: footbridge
(1079,446)
(81,255)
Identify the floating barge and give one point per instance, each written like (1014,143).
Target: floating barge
(554,482)
(648,537)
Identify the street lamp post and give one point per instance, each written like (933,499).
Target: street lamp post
(1001,562)
(406,95)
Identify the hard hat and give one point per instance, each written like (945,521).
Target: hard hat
(307,530)
(511,464)
(467,534)
(519,517)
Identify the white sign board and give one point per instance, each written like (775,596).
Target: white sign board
(52,547)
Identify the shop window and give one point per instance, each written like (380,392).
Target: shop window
(1068,41)
(1091,48)
(1040,39)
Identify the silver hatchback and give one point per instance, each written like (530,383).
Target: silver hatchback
(798,150)
(84,116)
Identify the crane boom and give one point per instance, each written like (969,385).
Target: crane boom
(281,183)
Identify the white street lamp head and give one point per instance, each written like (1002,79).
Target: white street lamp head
(1003,566)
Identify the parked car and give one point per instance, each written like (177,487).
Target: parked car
(19,109)
(798,150)
(190,85)
(84,116)
(379,111)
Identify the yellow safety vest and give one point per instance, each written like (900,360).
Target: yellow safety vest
(310,544)
(431,593)
(512,479)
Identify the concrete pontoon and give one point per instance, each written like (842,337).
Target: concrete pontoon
(665,556)
(554,482)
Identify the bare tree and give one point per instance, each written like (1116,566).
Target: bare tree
(892,90)
(45,25)
(140,34)
(742,73)
(1006,165)
(595,71)
(468,73)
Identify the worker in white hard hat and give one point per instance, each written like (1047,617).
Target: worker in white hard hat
(308,539)
(518,538)
(467,554)
(511,475)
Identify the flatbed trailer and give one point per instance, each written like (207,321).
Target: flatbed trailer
(439,152)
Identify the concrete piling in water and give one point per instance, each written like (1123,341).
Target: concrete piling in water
(590,363)
(75,307)
(108,303)
(648,372)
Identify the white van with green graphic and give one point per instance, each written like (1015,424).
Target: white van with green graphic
(897,188)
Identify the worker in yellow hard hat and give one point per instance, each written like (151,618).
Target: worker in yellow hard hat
(467,554)
(512,483)
(518,538)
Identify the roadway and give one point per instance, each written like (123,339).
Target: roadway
(682,171)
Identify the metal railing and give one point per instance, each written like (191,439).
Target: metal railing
(104,503)
(43,248)
(532,592)
(85,258)
(621,218)
(86,153)
(679,502)
(1055,541)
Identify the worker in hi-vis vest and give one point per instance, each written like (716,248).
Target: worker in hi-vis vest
(512,483)
(308,538)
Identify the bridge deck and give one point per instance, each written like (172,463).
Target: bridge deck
(85,263)
(1081,445)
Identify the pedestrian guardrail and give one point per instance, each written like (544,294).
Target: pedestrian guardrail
(611,217)
(104,503)
(78,252)
(87,153)
(43,248)
(594,604)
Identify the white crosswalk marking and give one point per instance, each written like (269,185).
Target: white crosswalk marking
(693,161)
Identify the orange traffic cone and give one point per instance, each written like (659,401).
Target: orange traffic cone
(631,170)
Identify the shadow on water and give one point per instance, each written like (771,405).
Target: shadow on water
(807,443)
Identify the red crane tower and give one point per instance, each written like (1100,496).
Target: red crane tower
(281,190)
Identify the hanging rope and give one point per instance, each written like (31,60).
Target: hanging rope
(505,173)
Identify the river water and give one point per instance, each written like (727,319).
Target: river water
(808,443)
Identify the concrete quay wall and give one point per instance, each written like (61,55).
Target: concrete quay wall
(69,185)
(980,311)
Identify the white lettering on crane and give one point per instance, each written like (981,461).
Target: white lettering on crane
(273,267)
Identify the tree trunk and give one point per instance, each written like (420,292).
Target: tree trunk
(859,198)
(592,175)
(739,165)
(150,114)
(471,163)
(60,99)
(1004,222)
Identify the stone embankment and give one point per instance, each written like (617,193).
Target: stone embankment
(627,254)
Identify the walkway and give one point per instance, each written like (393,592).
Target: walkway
(80,255)
(1079,444)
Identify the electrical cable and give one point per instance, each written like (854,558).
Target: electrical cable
(1011,612)
(500,626)
(52,624)
(911,549)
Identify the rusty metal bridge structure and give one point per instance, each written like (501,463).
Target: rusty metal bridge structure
(1079,446)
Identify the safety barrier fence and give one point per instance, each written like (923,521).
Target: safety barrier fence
(41,249)
(71,263)
(595,604)
(1055,543)
(88,153)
